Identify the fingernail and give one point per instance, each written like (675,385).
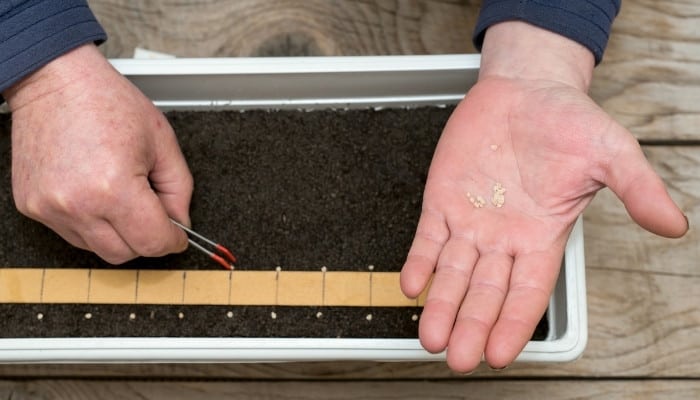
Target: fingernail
(687,221)
(498,369)
(467,373)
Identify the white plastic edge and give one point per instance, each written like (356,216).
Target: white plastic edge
(302,82)
(294,65)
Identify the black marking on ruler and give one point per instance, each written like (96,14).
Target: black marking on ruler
(184,284)
(136,287)
(41,293)
(277,284)
(369,315)
(230,283)
(89,285)
(323,285)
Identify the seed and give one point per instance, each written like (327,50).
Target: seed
(498,198)
(477,202)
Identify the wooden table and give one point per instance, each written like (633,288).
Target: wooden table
(643,291)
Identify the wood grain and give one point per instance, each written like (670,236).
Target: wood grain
(472,389)
(649,79)
(216,28)
(613,241)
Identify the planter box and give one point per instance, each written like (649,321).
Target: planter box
(307,84)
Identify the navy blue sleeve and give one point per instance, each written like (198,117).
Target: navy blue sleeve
(34,32)
(587,22)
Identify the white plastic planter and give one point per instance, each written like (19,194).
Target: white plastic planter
(310,83)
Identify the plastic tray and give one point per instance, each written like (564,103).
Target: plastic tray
(310,83)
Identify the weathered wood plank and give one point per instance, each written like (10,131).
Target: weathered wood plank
(473,389)
(649,79)
(614,241)
(215,28)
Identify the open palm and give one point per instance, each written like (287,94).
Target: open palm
(517,162)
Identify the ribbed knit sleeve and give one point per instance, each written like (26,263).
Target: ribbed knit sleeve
(587,22)
(34,32)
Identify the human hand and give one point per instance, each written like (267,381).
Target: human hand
(95,161)
(528,126)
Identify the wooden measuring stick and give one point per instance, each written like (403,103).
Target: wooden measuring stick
(197,287)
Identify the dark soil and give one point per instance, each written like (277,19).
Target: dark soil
(295,189)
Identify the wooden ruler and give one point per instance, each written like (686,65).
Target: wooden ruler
(194,287)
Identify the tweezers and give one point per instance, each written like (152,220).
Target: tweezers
(220,254)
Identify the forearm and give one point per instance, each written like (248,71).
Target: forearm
(519,50)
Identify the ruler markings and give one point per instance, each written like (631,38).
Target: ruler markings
(371,269)
(203,287)
(89,283)
(41,291)
(184,286)
(323,286)
(230,278)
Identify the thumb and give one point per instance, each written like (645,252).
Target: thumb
(171,178)
(631,177)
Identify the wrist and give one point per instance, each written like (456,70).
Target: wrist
(72,67)
(518,50)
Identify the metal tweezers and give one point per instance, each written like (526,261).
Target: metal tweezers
(220,254)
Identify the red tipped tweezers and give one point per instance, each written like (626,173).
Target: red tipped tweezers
(220,254)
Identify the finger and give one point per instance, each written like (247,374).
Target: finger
(479,311)
(170,176)
(431,235)
(454,269)
(145,226)
(103,240)
(532,280)
(631,177)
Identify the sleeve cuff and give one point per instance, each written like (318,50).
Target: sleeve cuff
(587,22)
(38,31)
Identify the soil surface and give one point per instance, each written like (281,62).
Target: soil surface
(294,189)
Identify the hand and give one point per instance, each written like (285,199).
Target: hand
(95,161)
(528,126)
